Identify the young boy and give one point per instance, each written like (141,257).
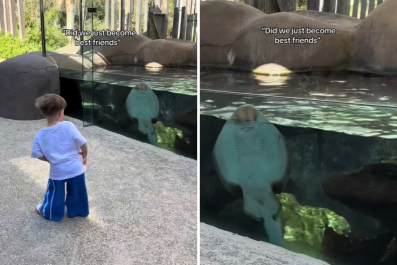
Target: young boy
(59,143)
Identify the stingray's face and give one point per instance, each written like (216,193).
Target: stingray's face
(245,118)
(141,87)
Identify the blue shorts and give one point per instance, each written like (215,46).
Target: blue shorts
(53,207)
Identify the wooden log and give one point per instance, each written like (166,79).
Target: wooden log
(21,20)
(379,2)
(2,26)
(363,9)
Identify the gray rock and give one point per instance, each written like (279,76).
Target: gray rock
(23,79)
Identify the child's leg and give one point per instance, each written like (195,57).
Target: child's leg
(77,197)
(53,207)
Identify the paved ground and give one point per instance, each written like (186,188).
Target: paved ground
(220,247)
(143,203)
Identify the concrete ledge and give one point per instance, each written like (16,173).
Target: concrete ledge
(222,247)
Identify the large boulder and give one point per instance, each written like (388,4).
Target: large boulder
(131,50)
(255,48)
(166,52)
(23,79)
(371,190)
(234,18)
(216,38)
(126,50)
(374,49)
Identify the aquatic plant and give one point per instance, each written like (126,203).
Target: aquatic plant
(305,224)
(166,135)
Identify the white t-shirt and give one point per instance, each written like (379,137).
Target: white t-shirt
(60,145)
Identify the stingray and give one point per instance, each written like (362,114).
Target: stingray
(143,105)
(250,155)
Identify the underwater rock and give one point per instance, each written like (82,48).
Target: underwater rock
(143,105)
(353,250)
(374,48)
(250,155)
(187,119)
(371,190)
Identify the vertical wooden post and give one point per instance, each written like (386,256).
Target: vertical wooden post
(69,6)
(332,6)
(138,15)
(12,12)
(164,9)
(129,7)
(145,14)
(184,20)
(6,16)
(371,6)
(355,8)
(343,7)
(122,15)
(2,26)
(113,15)
(107,14)
(363,9)
(21,20)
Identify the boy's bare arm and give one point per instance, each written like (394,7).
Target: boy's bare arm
(84,150)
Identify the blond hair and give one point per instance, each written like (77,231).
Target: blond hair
(50,104)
